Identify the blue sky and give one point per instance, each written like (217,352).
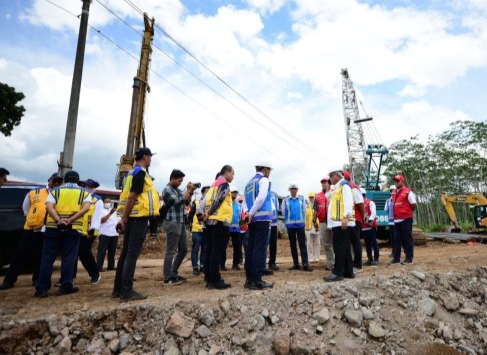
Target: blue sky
(417,65)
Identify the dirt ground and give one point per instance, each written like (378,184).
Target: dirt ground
(435,257)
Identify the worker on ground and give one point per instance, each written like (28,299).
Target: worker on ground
(139,200)
(218,215)
(389,208)
(258,201)
(404,204)
(198,238)
(108,238)
(320,208)
(3,176)
(293,208)
(235,229)
(312,232)
(66,205)
(30,247)
(91,227)
(174,225)
(359,216)
(342,221)
(369,231)
(274,233)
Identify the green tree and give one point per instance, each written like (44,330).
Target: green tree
(10,112)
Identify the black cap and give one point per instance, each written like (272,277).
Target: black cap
(71,176)
(143,151)
(56,176)
(90,182)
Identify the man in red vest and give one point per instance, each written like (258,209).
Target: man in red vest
(320,208)
(404,204)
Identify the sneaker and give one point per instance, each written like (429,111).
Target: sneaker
(172,281)
(368,263)
(407,262)
(196,271)
(182,279)
(307,268)
(273,267)
(219,286)
(134,296)
(394,262)
(95,279)
(374,263)
(357,270)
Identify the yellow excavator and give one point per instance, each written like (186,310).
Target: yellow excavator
(477,200)
(136,133)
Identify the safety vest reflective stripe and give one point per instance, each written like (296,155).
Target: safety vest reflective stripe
(337,203)
(69,201)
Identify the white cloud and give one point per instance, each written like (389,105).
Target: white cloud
(265,6)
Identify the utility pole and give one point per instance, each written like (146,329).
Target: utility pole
(66,161)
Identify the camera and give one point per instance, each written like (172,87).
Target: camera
(197,185)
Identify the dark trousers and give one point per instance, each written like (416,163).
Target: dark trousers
(370,238)
(403,236)
(298,233)
(343,252)
(206,240)
(28,252)
(237,247)
(65,243)
(245,243)
(264,255)
(223,259)
(217,237)
(356,245)
(391,236)
(133,240)
(258,236)
(86,257)
(198,243)
(106,244)
(153,225)
(273,245)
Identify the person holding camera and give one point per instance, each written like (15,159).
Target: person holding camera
(175,201)
(66,205)
(107,242)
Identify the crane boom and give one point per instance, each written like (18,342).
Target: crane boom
(355,135)
(136,133)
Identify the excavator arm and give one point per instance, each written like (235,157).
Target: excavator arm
(474,199)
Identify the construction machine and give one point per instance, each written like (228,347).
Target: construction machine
(476,200)
(136,133)
(365,159)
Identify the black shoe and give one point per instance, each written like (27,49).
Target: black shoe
(368,262)
(223,268)
(172,281)
(6,286)
(307,268)
(196,271)
(62,292)
(111,269)
(219,286)
(375,263)
(134,296)
(182,279)
(407,262)
(116,294)
(332,278)
(352,276)
(267,272)
(40,294)
(95,279)
(264,284)
(247,283)
(236,267)
(58,284)
(273,267)
(295,267)
(394,262)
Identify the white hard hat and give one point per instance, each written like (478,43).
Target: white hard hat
(393,187)
(293,185)
(362,191)
(335,169)
(264,164)
(233,188)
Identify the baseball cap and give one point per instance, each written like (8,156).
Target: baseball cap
(393,187)
(233,188)
(362,191)
(399,178)
(56,176)
(71,176)
(90,182)
(311,194)
(293,186)
(264,164)
(143,151)
(346,174)
(326,178)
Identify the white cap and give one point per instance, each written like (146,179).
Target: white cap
(233,188)
(335,169)
(293,185)
(362,191)
(393,187)
(264,164)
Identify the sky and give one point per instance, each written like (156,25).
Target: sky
(417,66)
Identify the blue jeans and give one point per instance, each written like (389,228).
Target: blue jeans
(198,244)
(370,238)
(134,236)
(258,238)
(403,236)
(298,233)
(65,243)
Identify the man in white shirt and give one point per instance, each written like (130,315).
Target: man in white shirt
(107,241)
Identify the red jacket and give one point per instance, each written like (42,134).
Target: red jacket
(402,207)
(358,215)
(322,207)
(369,224)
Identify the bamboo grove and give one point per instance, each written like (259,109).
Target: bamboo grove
(453,161)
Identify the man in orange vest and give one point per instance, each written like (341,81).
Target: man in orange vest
(34,208)
(404,204)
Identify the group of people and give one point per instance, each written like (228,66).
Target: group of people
(336,216)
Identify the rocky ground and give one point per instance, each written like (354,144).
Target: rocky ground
(436,306)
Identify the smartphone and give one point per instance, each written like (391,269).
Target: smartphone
(115,204)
